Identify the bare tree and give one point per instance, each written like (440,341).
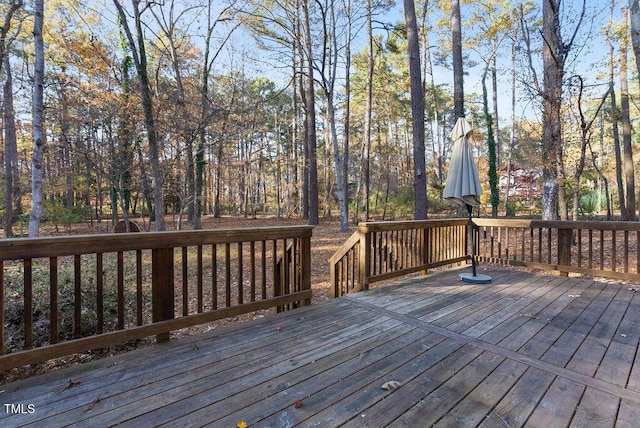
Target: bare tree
(555,51)
(458,73)
(630,213)
(417,112)
(39,141)
(139,53)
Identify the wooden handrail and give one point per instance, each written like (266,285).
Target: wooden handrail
(379,251)
(82,292)
(382,250)
(598,248)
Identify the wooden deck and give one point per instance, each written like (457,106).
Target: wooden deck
(526,350)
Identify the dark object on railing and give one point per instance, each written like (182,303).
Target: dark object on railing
(121,227)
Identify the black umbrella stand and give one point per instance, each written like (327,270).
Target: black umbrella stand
(474,278)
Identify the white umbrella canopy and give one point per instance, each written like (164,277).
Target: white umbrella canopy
(463,184)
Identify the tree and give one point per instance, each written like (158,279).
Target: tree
(138,50)
(417,112)
(613,112)
(328,78)
(555,51)
(8,114)
(634,17)
(311,164)
(629,214)
(38,122)
(458,72)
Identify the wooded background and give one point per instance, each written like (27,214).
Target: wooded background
(296,108)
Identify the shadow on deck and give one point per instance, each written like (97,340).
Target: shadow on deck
(525,350)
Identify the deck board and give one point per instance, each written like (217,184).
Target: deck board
(525,350)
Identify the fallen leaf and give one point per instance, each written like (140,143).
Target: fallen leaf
(392,385)
(530,316)
(241,424)
(93,403)
(298,404)
(279,328)
(71,384)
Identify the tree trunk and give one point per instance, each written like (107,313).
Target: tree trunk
(140,60)
(553,63)
(458,72)
(37,171)
(614,128)
(491,145)
(310,118)
(366,132)
(10,151)
(634,12)
(417,112)
(512,135)
(630,212)
(347,112)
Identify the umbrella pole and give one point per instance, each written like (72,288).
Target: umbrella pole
(473,244)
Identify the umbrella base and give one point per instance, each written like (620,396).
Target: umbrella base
(475,279)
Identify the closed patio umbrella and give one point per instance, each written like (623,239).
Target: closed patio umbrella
(463,185)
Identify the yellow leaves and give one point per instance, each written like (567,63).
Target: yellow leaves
(241,424)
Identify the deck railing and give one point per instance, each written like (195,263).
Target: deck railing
(600,248)
(379,251)
(65,295)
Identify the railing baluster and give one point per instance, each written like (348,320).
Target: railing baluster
(139,293)
(579,247)
(601,249)
(626,251)
(28,303)
(185,282)
(99,292)
(240,279)
(77,300)
(252,266)
(264,269)
(53,298)
(637,251)
(120,289)
(227,274)
(590,248)
(214,276)
(614,252)
(199,279)
(549,240)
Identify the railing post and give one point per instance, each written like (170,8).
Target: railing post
(305,268)
(425,239)
(364,258)
(564,249)
(162,288)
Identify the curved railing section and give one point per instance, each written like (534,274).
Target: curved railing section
(379,251)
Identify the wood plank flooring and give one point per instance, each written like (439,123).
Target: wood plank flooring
(525,350)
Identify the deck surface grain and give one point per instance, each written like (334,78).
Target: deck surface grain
(526,350)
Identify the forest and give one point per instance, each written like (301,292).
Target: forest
(131,109)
